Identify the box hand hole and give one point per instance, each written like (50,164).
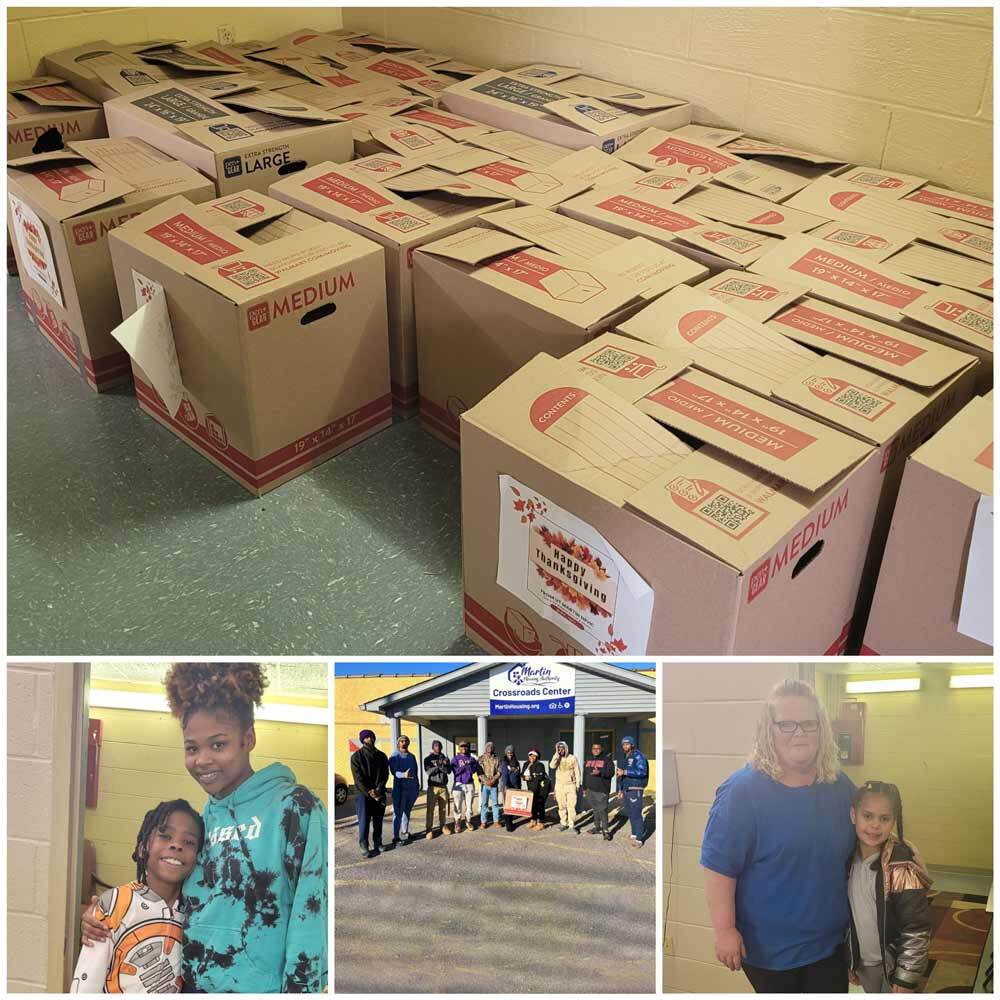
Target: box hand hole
(291,168)
(50,141)
(807,557)
(318,313)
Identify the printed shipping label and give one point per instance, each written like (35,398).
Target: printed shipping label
(183,235)
(567,572)
(36,251)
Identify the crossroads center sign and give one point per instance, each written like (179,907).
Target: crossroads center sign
(525,689)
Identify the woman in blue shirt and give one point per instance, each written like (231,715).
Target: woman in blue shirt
(405,787)
(776,844)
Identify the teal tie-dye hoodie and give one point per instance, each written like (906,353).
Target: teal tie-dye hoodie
(258,892)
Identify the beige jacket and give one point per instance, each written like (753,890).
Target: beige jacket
(567,770)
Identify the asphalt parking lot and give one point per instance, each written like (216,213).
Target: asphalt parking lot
(495,912)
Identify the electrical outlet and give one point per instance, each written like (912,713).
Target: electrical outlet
(227,34)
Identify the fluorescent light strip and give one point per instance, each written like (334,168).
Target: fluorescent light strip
(970,681)
(883,686)
(140,701)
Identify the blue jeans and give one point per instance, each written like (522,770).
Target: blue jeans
(404,794)
(632,807)
(486,796)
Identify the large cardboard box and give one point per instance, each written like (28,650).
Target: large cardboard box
(45,113)
(402,204)
(886,412)
(276,324)
(938,561)
(241,141)
(489,299)
(589,528)
(563,106)
(61,208)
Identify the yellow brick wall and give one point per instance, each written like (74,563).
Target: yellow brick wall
(909,88)
(34,31)
(142,763)
(350,692)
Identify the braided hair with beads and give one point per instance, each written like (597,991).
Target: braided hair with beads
(156,819)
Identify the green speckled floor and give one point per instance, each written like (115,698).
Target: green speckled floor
(122,540)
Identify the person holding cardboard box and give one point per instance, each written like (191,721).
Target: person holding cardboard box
(567,780)
(437,767)
(510,777)
(537,780)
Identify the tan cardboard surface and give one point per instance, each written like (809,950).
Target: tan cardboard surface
(890,181)
(597,168)
(751,428)
(894,351)
(541,186)
(516,146)
(941,201)
(62,187)
(475,245)
(874,240)
(749,211)
(653,267)
(617,94)
(757,297)
(959,314)
(707,135)
(745,146)
(963,448)
(941,267)
(656,149)
(556,232)
(720,339)
(771,181)
(456,126)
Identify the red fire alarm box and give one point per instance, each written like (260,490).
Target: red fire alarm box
(95,735)
(849,730)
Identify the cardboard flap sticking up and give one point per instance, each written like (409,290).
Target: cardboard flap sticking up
(889,181)
(758,431)
(576,426)
(535,186)
(426,180)
(960,314)
(50,92)
(944,268)
(589,114)
(227,87)
(126,78)
(331,182)
(564,286)
(720,339)
(746,146)
(277,103)
(749,211)
(771,181)
(64,185)
(941,201)
(963,448)
(454,67)
(520,147)
(446,122)
(408,140)
(654,268)
(543,73)
(59,157)
(597,168)
(475,245)
(724,506)
(860,401)
(707,135)
(555,232)
(618,94)
(458,160)
(903,355)
(187,60)
(655,148)
(874,239)
(243,210)
(628,369)
(757,297)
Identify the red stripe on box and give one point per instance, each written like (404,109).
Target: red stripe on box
(440,418)
(837,646)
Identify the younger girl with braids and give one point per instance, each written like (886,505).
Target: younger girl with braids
(144,919)
(257,920)
(887,888)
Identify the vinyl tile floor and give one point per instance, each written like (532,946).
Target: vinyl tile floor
(123,541)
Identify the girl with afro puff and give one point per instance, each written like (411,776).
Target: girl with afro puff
(257,898)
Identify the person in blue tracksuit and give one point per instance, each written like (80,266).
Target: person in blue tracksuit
(632,779)
(405,788)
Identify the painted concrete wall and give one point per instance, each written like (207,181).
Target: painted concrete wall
(906,88)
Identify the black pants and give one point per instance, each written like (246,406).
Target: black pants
(538,806)
(370,812)
(829,975)
(599,804)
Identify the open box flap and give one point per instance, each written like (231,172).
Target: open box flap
(590,114)
(65,184)
(429,180)
(963,448)
(618,94)
(278,103)
(754,429)
(556,232)
(475,245)
(745,146)
(747,210)
(534,185)
(757,297)
(653,267)
(51,92)
(960,314)
(654,148)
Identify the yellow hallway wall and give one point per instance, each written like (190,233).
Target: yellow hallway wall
(142,763)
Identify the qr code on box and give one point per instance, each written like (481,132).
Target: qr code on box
(404,223)
(976,322)
(734,286)
(246,274)
(860,402)
(610,359)
(738,244)
(875,180)
(848,236)
(728,513)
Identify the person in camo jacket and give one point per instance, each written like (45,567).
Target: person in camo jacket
(489,780)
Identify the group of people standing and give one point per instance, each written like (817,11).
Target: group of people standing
(371,770)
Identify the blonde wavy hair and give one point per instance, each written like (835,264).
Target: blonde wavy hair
(764,756)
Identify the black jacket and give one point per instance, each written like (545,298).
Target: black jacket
(904,922)
(597,774)
(370,769)
(536,777)
(437,767)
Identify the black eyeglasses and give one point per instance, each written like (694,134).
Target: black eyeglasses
(787,726)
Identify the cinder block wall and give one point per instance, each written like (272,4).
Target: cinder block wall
(709,711)
(905,88)
(32,745)
(34,31)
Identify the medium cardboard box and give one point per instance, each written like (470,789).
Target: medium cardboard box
(565,108)
(938,558)
(401,204)
(641,209)
(886,412)
(62,206)
(242,141)
(488,301)
(45,113)
(276,324)
(103,70)
(588,527)
(941,267)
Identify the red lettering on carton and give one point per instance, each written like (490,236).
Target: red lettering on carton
(183,235)
(553,404)
(856,278)
(345,191)
(699,159)
(938,199)
(696,324)
(652,215)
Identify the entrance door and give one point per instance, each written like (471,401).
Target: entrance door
(606,737)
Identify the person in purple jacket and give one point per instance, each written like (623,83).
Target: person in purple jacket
(463,767)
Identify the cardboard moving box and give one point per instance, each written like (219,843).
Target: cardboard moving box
(401,203)
(62,206)
(589,528)
(268,354)
(935,591)
(242,141)
(563,106)
(45,113)
(487,302)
